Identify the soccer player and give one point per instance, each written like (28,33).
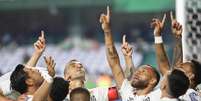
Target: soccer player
(143,80)
(192,68)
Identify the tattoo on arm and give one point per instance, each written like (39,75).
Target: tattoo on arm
(178,53)
(129,67)
(113,60)
(128,72)
(112,52)
(113,55)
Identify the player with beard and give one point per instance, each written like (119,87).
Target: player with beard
(143,80)
(192,68)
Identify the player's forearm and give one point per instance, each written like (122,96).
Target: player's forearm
(42,93)
(118,75)
(161,55)
(34,59)
(113,59)
(112,55)
(178,53)
(115,66)
(129,66)
(108,37)
(162,59)
(111,51)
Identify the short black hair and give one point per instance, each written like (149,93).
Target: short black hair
(157,75)
(60,89)
(178,83)
(80,90)
(18,79)
(197,71)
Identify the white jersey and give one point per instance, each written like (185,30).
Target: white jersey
(5,81)
(169,99)
(191,95)
(96,94)
(127,93)
(155,95)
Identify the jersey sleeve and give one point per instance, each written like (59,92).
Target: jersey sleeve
(5,83)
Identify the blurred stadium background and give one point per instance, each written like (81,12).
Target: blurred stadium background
(73,31)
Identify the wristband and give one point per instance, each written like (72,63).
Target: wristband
(158,39)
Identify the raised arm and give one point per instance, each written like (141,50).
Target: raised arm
(162,59)
(42,93)
(127,51)
(39,47)
(111,52)
(177,32)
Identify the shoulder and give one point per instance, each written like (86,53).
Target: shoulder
(191,95)
(155,92)
(155,95)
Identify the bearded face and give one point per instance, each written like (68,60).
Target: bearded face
(139,81)
(141,78)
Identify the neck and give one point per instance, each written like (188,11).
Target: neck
(165,94)
(31,90)
(49,98)
(144,91)
(193,86)
(76,83)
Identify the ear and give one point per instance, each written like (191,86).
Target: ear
(29,82)
(152,81)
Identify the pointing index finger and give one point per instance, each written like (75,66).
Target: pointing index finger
(164,18)
(108,12)
(171,16)
(124,39)
(42,34)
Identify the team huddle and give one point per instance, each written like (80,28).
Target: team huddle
(168,82)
